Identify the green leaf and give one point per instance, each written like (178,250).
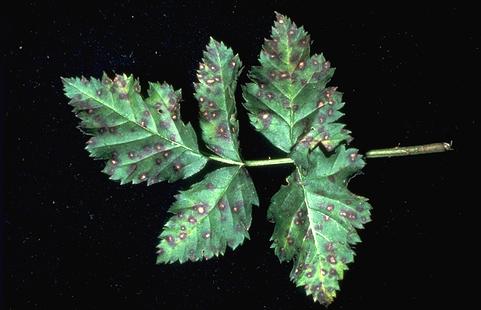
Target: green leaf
(288,100)
(211,215)
(316,218)
(215,92)
(142,140)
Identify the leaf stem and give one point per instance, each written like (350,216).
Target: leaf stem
(268,162)
(410,150)
(225,160)
(376,153)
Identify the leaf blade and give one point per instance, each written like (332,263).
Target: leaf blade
(211,215)
(215,92)
(316,225)
(288,89)
(139,142)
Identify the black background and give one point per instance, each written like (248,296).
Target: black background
(76,240)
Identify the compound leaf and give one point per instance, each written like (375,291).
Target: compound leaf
(211,215)
(316,218)
(288,100)
(215,92)
(142,140)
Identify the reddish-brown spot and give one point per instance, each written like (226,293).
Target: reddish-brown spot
(222,132)
(330,208)
(266,118)
(159,146)
(351,215)
(331,259)
(290,240)
(309,234)
(170,240)
(238,205)
(192,220)
(182,235)
(332,272)
(107,81)
(200,208)
(206,115)
(329,246)
(177,166)
(306,140)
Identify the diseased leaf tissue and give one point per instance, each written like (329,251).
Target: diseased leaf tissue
(289,102)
